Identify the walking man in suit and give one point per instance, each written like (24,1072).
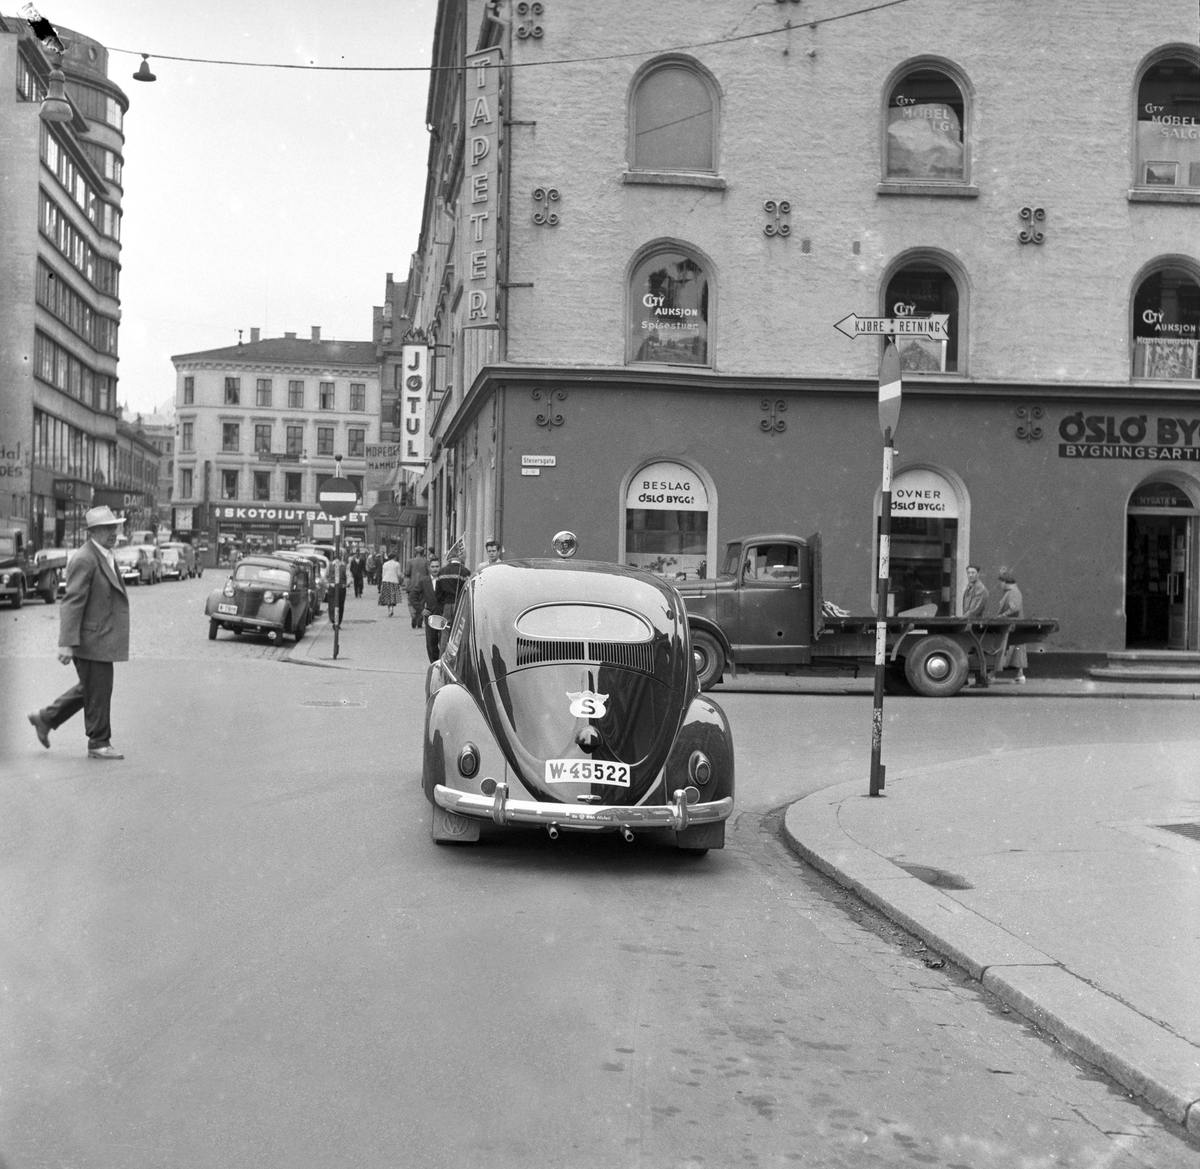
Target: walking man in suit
(93,633)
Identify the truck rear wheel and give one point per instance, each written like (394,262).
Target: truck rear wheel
(18,598)
(936,667)
(709,658)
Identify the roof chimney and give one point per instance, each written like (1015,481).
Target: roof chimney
(253,335)
(289,336)
(316,332)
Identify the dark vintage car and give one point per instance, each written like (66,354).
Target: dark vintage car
(317,567)
(567,698)
(264,594)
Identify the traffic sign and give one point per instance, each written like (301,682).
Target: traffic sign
(890,387)
(935,325)
(337,497)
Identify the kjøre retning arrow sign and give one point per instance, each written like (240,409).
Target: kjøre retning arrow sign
(890,388)
(337,497)
(935,325)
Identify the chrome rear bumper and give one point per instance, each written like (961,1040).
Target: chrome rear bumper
(678,814)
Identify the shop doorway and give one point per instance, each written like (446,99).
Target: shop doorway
(1160,568)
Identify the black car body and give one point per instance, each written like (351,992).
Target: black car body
(567,698)
(264,594)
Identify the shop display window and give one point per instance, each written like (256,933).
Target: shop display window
(925,127)
(668,310)
(1166,326)
(919,290)
(673,120)
(666,522)
(1168,125)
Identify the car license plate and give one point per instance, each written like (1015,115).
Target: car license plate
(587,771)
(227,609)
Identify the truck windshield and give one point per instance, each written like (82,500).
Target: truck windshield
(8,546)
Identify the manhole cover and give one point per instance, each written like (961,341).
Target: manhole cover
(1191,830)
(335,703)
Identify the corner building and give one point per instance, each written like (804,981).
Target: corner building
(632,264)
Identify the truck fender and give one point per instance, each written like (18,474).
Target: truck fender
(713,629)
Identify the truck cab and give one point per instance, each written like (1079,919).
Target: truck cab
(20,576)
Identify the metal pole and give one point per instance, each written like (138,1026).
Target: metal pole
(881,600)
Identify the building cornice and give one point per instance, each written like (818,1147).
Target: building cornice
(300,369)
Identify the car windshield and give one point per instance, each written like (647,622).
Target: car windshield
(169,555)
(262,574)
(593,622)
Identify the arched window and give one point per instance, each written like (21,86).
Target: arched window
(1166,325)
(668,308)
(920,288)
(1168,124)
(673,119)
(667,522)
(926,120)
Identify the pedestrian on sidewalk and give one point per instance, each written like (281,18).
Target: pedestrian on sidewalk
(448,584)
(416,567)
(975,595)
(389,585)
(494,551)
(430,607)
(337,578)
(93,633)
(357,572)
(1012,604)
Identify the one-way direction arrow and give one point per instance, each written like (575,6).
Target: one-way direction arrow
(935,325)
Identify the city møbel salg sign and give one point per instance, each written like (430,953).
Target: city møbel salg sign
(1131,436)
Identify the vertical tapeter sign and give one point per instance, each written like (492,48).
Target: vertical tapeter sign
(482,117)
(415,371)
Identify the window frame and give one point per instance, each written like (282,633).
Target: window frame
(358,394)
(263,389)
(294,434)
(187,482)
(639,257)
(229,475)
(900,185)
(1159,264)
(658,175)
(293,479)
(356,441)
(236,428)
(296,387)
(1139,191)
(233,386)
(323,433)
(954,269)
(321,388)
(261,447)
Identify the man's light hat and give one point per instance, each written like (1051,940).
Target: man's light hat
(101,517)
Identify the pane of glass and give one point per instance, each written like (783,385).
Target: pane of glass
(925,127)
(1166,326)
(597,622)
(673,122)
(917,291)
(263,575)
(673,543)
(1168,125)
(772,562)
(669,311)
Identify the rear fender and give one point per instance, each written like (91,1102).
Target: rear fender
(705,728)
(452,720)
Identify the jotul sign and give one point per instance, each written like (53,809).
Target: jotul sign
(415,373)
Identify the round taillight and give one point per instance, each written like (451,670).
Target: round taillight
(468,761)
(700,769)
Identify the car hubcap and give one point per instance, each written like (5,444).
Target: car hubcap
(938,667)
(701,660)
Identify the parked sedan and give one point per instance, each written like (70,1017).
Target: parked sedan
(135,564)
(155,559)
(316,576)
(264,594)
(191,565)
(173,565)
(567,698)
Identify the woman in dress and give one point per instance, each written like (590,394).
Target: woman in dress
(389,588)
(1012,605)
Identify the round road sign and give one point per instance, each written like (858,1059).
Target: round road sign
(337,497)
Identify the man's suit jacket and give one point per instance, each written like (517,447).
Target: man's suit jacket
(93,618)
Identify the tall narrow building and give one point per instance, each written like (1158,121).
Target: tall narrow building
(60,230)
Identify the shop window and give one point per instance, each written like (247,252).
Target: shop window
(1166,326)
(262,485)
(925,554)
(926,116)
(669,309)
(673,119)
(293,487)
(919,289)
(229,485)
(666,522)
(1168,125)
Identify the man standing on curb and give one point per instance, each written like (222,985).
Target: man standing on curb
(93,633)
(975,595)
(414,570)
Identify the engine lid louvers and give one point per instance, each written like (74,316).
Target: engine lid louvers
(627,655)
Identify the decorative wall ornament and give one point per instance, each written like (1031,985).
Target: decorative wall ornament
(544,217)
(1027,428)
(773,424)
(778,209)
(1032,216)
(549,417)
(529,28)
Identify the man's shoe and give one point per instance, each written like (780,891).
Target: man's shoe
(43,731)
(104,753)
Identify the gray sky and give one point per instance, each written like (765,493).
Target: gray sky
(276,198)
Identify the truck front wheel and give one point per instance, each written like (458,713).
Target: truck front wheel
(709,658)
(18,598)
(936,667)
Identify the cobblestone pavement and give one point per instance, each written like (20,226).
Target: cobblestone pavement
(166,621)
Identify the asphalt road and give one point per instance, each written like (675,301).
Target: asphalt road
(239,947)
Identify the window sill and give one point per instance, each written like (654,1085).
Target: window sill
(942,190)
(659,178)
(1158,195)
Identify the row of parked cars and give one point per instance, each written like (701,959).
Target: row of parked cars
(275,594)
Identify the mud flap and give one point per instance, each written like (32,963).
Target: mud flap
(702,836)
(453,828)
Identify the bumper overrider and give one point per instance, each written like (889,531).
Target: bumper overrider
(683,811)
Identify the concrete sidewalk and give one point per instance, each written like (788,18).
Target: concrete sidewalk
(1049,875)
(369,640)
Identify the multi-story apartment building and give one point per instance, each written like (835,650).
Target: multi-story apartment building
(60,222)
(261,426)
(159,429)
(133,491)
(639,236)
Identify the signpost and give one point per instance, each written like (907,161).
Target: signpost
(338,498)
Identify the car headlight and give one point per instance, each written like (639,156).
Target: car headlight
(5,578)
(700,768)
(468,760)
(268,597)
(228,589)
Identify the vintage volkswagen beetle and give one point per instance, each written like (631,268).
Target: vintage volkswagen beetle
(264,594)
(567,698)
